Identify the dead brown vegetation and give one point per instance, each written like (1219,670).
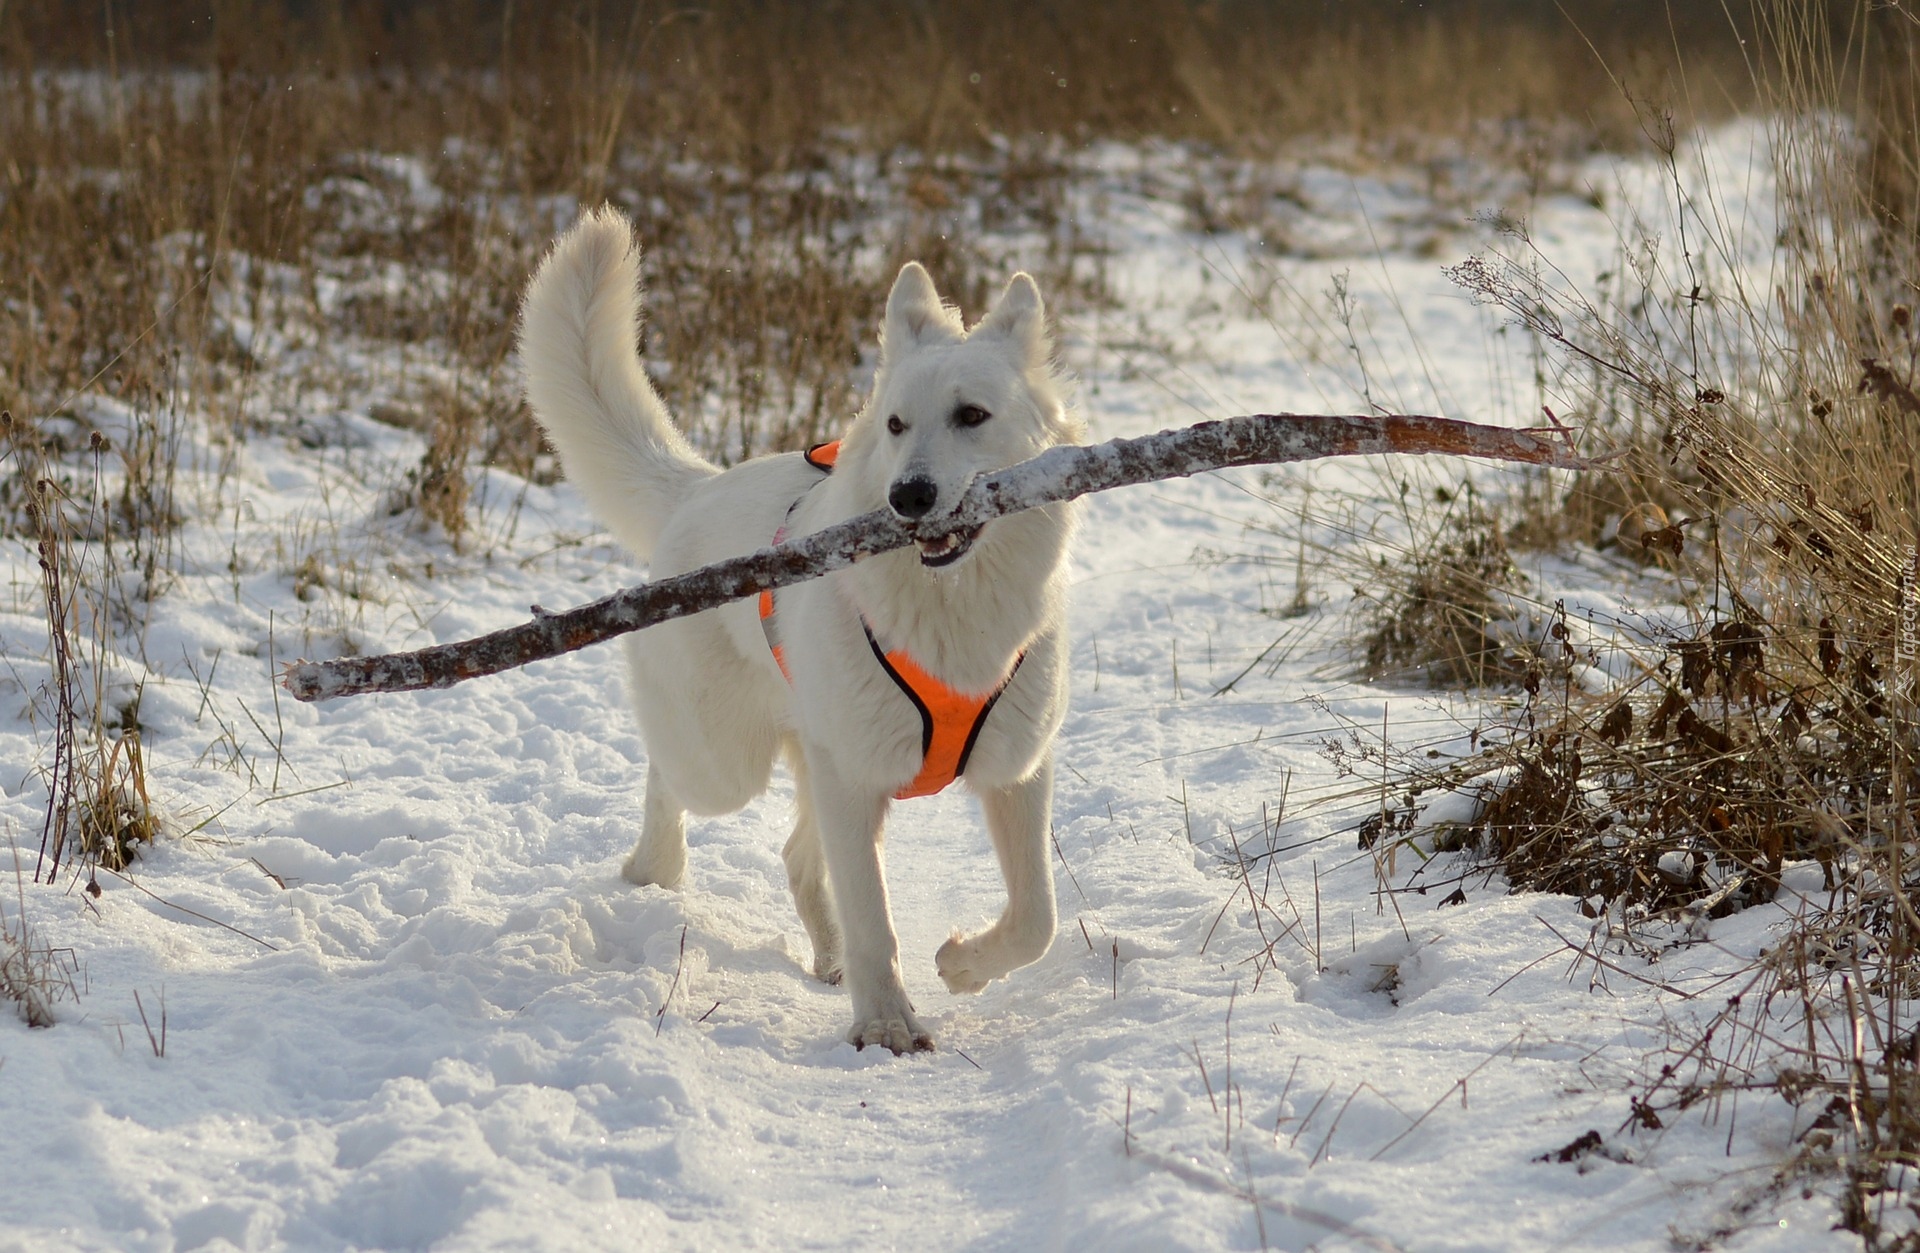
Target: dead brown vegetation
(739,79)
(177,174)
(1434,613)
(1771,469)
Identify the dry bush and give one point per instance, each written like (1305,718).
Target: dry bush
(98,809)
(1435,611)
(1691,786)
(1778,428)
(34,977)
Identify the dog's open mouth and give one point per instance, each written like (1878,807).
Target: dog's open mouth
(948,549)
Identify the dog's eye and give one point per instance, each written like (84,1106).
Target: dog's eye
(970,415)
(895,425)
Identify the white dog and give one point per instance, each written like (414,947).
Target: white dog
(882,680)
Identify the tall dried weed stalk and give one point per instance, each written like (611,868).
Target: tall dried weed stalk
(98,809)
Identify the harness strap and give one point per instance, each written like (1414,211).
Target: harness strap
(822,458)
(950,720)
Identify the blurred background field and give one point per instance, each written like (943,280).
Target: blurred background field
(164,161)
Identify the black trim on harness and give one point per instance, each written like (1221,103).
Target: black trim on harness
(966,750)
(926,715)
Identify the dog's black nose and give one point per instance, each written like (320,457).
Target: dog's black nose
(912,498)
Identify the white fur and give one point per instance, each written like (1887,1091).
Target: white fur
(713,706)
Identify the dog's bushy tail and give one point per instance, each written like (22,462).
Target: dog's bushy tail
(579,331)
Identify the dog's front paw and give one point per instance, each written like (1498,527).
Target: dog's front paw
(827,968)
(902,1035)
(957,962)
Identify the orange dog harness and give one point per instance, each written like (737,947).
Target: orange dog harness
(950,720)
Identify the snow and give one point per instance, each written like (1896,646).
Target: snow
(409,1003)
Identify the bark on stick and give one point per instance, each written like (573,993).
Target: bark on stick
(1055,475)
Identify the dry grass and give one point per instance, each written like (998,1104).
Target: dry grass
(751,82)
(1435,614)
(33,977)
(98,808)
(178,174)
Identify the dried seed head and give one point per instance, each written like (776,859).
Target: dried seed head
(1902,316)
(98,442)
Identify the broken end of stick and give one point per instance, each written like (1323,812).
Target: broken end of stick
(305,681)
(1563,443)
(1605,461)
(1563,456)
(1608,461)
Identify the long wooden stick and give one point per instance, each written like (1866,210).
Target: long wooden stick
(1055,475)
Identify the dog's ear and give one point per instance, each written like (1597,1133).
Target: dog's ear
(914,312)
(1020,318)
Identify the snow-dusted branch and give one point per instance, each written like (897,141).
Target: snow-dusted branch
(1055,475)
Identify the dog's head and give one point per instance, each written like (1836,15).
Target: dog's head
(950,404)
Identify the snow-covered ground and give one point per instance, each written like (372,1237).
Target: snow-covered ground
(409,1003)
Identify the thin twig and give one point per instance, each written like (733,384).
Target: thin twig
(192,913)
(1459,1085)
(660,1018)
(1587,951)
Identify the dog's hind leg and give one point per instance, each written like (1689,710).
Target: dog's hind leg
(807,877)
(1017,821)
(660,857)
